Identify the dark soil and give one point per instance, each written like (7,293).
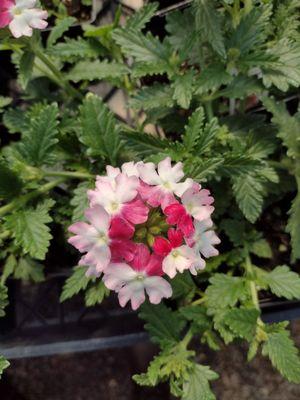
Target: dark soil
(107,375)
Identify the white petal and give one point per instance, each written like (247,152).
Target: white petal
(126,188)
(157,288)
(181,187)
(112,172)
(117,275)
(19,27)
(148,174)
(133,291)
(99,218)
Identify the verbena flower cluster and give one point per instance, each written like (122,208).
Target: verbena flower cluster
(22,17)
(145,224)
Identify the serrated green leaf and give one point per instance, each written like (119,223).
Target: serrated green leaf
(183,89)
(15,120)
(154,96)
(3,299)
(242,321)
(30,230)
(200,169)
(10,183)
(193,128)
(183,286)
(163,324)
(75,283)
(144,144)
(283,282)
(197,386)
(197,315)
(29,270)
(208,25)
(99,131)
(26,68)
(293,227)
(79,201)
(144,48)
(241,87)
(211,78)
(225,291)
(96,70)
(248,191)
(8,268)
(61,26)
(39,140)
(261,248)
(4,101)
(72,49)
(283,354)
(96,294)
(139,19)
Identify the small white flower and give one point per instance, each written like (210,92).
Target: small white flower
(131,285)
(179,259)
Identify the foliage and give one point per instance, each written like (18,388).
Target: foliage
(217,91)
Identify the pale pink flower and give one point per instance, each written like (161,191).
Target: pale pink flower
(161,185)
(198,203)
(204,239)
(102,237)
(131,281)
(177,256)
(118,194)
(21,17)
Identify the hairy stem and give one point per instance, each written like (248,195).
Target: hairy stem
(22,200)
(69,174)
(187,338)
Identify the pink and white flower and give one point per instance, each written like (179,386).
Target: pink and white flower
(103,239)
(22,17)
(145,225)
(118,194)
(177,256)
(163,184)
(132,281)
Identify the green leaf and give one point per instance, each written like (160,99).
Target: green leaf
(99,131)
(261,248)
(144,144)
(201,169)
(283,354)
(61,26)
(193,129)
(242,321)
(183,89)
(211,78)
(208,25)
(183,286)
(154,96)
(293,227)
(75,283)
(241,87)
(39,140)
(248,191)
(225,291)
(283,282)
(3,365)
(79,201)
(197,386)
(72,49)
(8,268)
(10,183)
(96,294)
(197,315)
(29,229)
(4,101)
(96,70)
(139,19)
(144,48)
(29,270)
(26,68)
(3,299)
(163,324)
(15,120)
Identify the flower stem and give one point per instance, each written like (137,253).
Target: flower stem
(69,174)
(209,110)
(59,78)
(19,202)
(187,338)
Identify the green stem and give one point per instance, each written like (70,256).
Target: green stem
(19,202)
(187,338)
(247,6)
(209,110)
(69,174)
(59,78)
(198,301)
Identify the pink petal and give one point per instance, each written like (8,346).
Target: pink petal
(122,250)
(161,246)
(120,228)
(5,18)
(154,266)
(174,213)
(186,225)
(135,212)
(141,257)
(175,238)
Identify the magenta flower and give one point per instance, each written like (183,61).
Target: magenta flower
(21,17)
(145,225)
